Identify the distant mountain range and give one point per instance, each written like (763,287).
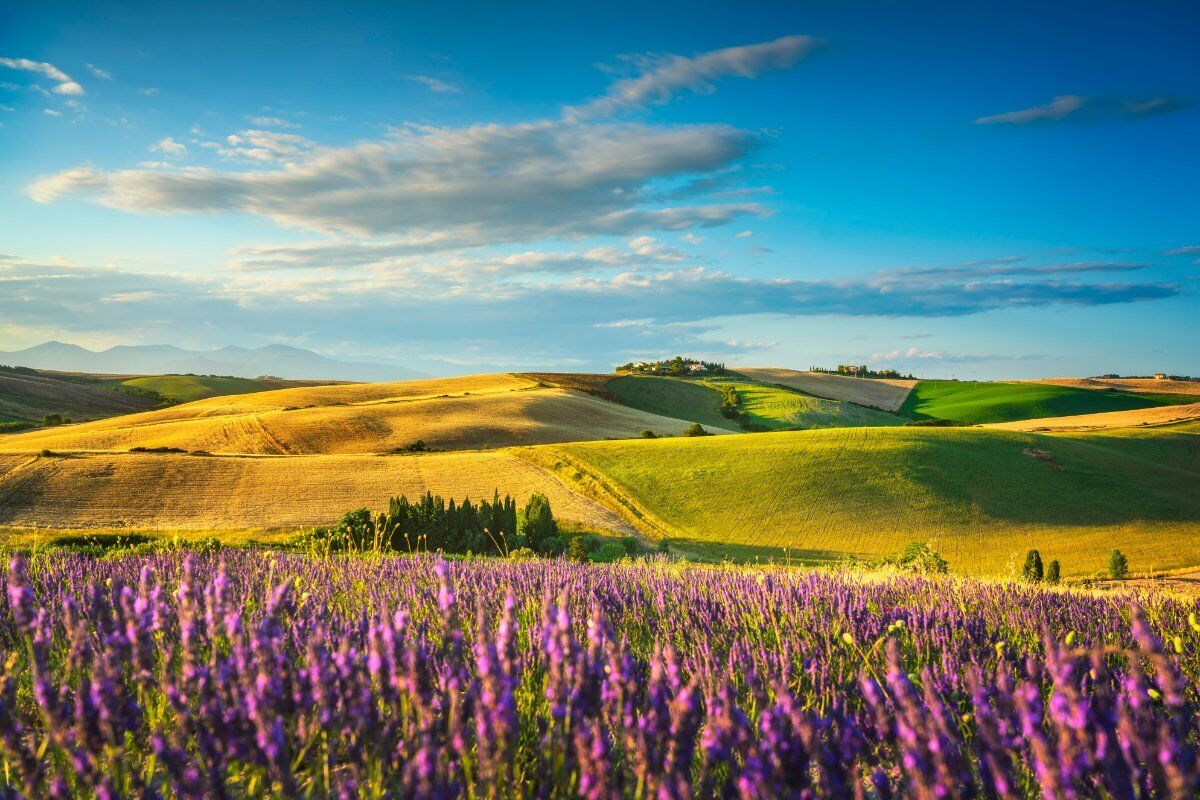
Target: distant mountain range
(164,359)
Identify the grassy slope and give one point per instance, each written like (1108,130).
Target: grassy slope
(885,393)
(977,402)
(187,388)
(777,408)
(868,491)
(671,397)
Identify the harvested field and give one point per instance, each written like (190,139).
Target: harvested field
(1160,415)
(1137,385)
(495,411)
(186,492)
(885,393)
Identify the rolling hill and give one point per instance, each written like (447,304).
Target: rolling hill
(771,406)
(1135,385)
(973,402)
(26,398)
(887,394)
(1155,415)
(451,414)
(985,494)
(186,388)
(778,408)
(170,492)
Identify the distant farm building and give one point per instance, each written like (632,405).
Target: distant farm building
(1160,376)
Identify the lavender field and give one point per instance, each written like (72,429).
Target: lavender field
(251,674)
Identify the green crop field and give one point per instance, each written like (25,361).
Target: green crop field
(986,495)
(976,403)
(187,388)
(774,407)
(671,397)
(777,408)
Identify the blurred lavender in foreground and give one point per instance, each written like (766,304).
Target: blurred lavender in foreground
(246,674)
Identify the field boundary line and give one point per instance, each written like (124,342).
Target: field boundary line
(598,488)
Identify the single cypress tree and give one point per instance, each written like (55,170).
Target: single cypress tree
(1053,570)
(1032,571)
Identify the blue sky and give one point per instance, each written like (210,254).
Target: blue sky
(974,190)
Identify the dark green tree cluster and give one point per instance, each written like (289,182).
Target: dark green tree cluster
(861,371)
(50,420)
(431,523)
(679,365)
(1033,570)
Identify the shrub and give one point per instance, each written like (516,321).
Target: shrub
(664,545)
(1118,565)
(50,420)
(522,554)
(1032,571)
(933,423)
(696,429)
(14,426)
(577,550)
(648,435)
(921,558)
(632,546)
(608,553)
(1052,572)
(553,546)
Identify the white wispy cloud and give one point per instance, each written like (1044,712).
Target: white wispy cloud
(655,309)
(915,355)
(262,145)
(1081,108)
(99,73)
(273,122)
(662,77)
(168,146)
(435,84)
(63,82)
(490,182)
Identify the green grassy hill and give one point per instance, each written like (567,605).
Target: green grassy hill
(26,398)
(187,388)
(671,397)
(778,408)
(987,495)
(975,402)
(773,407)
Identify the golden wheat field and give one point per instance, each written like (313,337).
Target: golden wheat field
(461,413)
(187,492)
(1158,415)
(886,393)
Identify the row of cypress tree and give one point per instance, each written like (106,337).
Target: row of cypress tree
(431,523)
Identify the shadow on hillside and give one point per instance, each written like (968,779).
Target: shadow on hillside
(1054,480)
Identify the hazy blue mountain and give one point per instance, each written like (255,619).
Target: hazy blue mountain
(275,359)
